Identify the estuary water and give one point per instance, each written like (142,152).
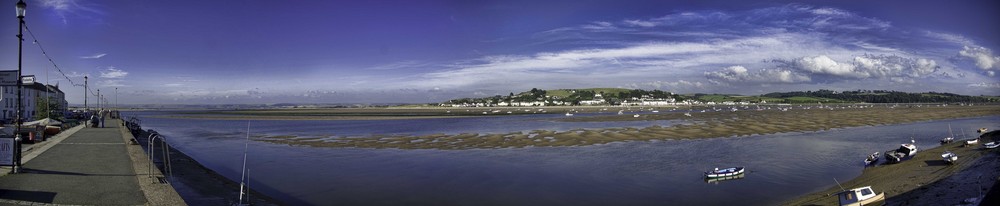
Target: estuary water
(780,166)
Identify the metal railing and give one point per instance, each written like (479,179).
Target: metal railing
(165,153)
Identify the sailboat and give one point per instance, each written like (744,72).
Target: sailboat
(950,138)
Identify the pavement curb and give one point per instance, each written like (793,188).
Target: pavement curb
(157,192)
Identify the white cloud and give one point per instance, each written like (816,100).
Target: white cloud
(111,83)
(982,57)
(59,5)
(75,74)
(599,25)
(735,74)
(994,85)
(113,73)
(824,65)
(640,23)
(95,56)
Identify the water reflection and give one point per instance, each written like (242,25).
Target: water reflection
(630,173)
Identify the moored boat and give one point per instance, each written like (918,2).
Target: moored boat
(872,159)
(860,196)
(982,130)
(720,179)
(725,172)
(900,154)
(991,145)
(947,140)
(949,157)
(971,142)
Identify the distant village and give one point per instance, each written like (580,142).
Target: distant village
(585,97)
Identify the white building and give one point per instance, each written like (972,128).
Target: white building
(30,93)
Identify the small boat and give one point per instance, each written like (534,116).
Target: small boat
(725,172)
(569,114)
(898,155)
(720,179)
(991,145)
(860,196)
(873,158)
(950,138)
(949,157)
(635,115)
(972,142)
(947,140)
(982,130)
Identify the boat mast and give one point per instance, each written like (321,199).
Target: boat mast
(243,176)
(950,132)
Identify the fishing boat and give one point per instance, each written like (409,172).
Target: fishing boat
(904,152)
(991,145)
(949,157)
(872,159)
(725,172)
(860,196)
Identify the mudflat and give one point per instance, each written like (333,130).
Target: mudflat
(693,125)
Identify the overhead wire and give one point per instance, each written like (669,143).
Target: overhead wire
(46,54)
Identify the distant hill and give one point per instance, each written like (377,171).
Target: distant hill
(877,96)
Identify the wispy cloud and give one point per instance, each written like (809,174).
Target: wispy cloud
(95,56)
(113,73)
(111,83)
(789,45)
(64,8)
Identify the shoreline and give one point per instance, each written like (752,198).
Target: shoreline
(199,185)
(925,179)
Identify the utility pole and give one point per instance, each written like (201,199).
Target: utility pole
(98,99)
(86,92)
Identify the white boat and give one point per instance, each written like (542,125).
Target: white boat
(950,138)
(904,150)
(972,142)
(949,157)
(720,179)
(725,172)
(860,196)
(635,115)
(569,114)
(991,145)
(872,158)
(982,130)
(947,140)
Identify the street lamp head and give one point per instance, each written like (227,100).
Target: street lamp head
(21,6)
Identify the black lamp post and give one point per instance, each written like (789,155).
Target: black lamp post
(21,6)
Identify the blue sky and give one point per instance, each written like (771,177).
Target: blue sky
(430,51)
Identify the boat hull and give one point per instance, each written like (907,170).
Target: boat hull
(714,174)
(878,198)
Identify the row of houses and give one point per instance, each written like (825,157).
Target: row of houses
(31,92)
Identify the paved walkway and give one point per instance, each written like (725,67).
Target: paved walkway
(90,167)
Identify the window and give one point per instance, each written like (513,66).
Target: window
(866,192)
